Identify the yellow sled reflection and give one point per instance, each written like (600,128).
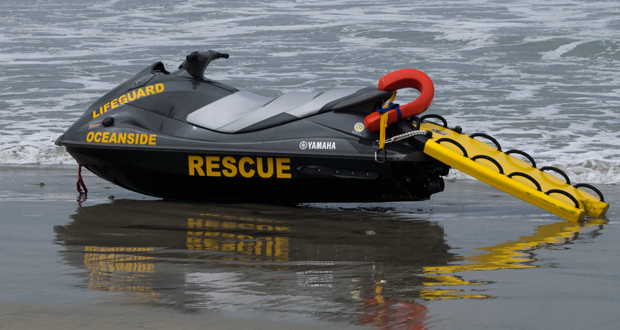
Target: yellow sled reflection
(509,255)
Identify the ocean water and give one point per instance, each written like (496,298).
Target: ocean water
(540,77)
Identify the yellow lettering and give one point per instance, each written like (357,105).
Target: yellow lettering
(130,138)
(245,247)
(113,138)
(159,88)
(259,168)
(106,135)
(283,164)
(106,107)
(98,137)
(122,99)
(242,171)
(122,137)
(150,90)
(114,103)
(195,164)
(143,138)
(140,93)
(282,247)
(131,96)
(229,164)
(228,247)
(257,248)
(268,247)
(95,115)
(212,166)
(90,136)
(152,139)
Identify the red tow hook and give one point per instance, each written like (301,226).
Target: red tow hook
(80,182)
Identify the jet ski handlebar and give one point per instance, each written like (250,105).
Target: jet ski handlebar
(196,63)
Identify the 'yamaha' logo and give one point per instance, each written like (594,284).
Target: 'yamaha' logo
(303,145)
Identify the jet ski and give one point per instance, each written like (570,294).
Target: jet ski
(182,136)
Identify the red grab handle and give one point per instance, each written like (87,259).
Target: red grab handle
(404,78)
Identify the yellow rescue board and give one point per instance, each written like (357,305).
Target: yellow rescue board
(518,184)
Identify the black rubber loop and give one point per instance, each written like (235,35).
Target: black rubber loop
(418,122)
(455,143)
(499,167)
(488,137)
(527,176)
(522,153)
(558,191)
(556,170)
(598,192)
(443,120)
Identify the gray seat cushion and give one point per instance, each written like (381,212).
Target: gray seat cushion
(227,109)
(245,111)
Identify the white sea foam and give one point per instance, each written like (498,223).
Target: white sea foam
(556,54)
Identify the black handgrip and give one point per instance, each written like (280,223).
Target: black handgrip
(495,162)
(556,170)
(443,120)
(527,176)
(488,137)
(196,63)
(460,146)
(558,191)
(522,153)
(598,192)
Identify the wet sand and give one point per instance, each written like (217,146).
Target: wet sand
(33,316)
(472,257)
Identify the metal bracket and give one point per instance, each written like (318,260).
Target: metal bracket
(384,156)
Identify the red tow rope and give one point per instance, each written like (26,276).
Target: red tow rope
(80,183)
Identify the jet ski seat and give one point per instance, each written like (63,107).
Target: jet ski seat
(245,111)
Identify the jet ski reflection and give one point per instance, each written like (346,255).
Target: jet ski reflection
(379,266)
(244,257)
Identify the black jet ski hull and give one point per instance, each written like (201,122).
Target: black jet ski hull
(181,136)
(194,175)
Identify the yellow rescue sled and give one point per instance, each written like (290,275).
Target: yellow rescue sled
(510,174)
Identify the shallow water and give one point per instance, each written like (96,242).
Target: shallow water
(471,258)
(542,77)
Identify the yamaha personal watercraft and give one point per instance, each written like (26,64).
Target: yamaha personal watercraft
(179,135)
